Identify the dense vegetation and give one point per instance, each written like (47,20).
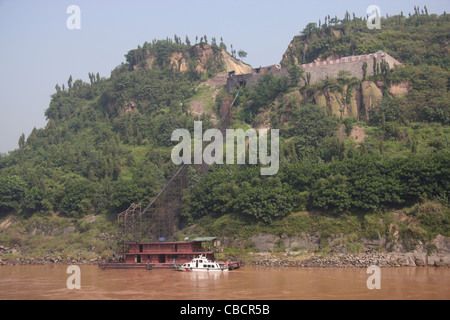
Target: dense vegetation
(107,142)
(404,160)
(99,137)
(419,41)
(420,38)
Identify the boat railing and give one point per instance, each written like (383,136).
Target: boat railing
(167,250)
(201,250)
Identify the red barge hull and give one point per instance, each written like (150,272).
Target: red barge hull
(141,266)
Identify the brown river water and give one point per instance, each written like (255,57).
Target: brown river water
(248,283)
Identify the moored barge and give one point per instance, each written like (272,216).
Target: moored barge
(165,255)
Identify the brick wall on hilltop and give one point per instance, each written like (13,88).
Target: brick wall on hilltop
(319,70)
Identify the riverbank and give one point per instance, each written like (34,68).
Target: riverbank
(11,257)
(390,240)
(349,260)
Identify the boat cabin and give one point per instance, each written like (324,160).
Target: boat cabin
(162,253)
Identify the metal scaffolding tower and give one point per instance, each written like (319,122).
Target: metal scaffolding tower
(158,219)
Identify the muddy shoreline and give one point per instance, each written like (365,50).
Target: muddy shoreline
(349,260)
(310,260)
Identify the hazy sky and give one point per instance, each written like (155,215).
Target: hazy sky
(38,51)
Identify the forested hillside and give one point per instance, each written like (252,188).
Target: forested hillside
(336,165)
(107,144)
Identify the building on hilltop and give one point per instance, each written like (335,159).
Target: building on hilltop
(319,71)
(249,79)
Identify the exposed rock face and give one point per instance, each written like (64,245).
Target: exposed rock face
(235,65)
(362,98)
(339,84)
(299,253)
(371,95)
(114,107)
(203,56)
(268,242)
(399,89)
(205,53)
(179,62)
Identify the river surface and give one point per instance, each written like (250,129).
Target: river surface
(248,283)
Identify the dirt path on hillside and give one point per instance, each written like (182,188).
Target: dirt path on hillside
(215,83)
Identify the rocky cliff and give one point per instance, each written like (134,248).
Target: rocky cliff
(348,100)
(203,57)
(353,101)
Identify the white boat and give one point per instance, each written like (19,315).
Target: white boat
(202,264)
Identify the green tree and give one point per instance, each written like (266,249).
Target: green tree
(364,68)
(125,193)
(308,78)
(242,54)
(375,64)
(69,82)
(331,193)
(311,123)
(34,200)
(12,192)
(295,74)
(77,199)
(265,203)
(22,141)
(265,91)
